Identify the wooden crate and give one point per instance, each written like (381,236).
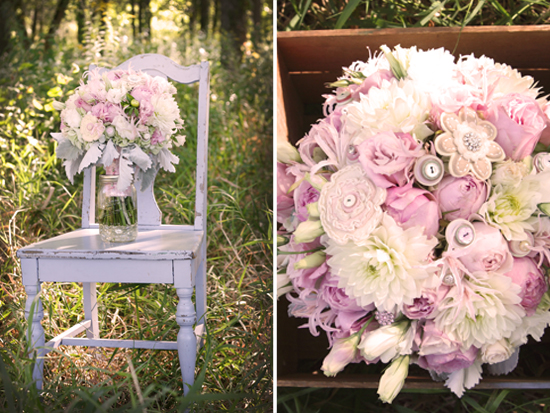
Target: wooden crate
(305,62)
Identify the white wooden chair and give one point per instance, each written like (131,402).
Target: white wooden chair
(170,254)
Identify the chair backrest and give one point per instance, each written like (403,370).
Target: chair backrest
(149,214)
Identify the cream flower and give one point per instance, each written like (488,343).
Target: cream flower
(496,352)
(398,106)
(481,311)
(510,172)
(388,341)
(349,205)
(393,379)
(387,269)
(91,128)
(468,140)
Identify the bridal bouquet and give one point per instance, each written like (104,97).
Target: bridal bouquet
(121,119)
(415,218)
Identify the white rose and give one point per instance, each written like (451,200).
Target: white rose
(509,173)
(116,95)
(496,352)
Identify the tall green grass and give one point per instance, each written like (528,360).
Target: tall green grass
(37,202)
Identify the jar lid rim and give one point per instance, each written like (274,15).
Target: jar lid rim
(108,178)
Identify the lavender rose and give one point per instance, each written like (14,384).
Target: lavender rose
(285,202)
(489,252)
(422,307)
(519,121)
(303,195)
(460,197)
(388,157)
(441,353)
(530,278)
(413,207)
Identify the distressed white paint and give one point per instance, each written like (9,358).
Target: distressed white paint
(172,254)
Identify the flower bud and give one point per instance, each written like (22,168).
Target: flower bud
(313,210)
(393,379)
(342,353)
(287,153)
(311,261)
(308,231)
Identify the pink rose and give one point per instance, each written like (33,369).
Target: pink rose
(439,353)
(530,278)
(519,121)
(460,197)
(303,195)
(413,207)
(388,157)
(489,252)
(285,201)
(423,306)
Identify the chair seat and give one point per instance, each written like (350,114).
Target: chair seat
(156,256)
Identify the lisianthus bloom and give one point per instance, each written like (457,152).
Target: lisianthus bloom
(343,352)
(531,279)
(460,197)
(389,341)
(388,158)
(519,121)
(349,205)
(422,307)
(488,252)
(413,207)
(304,194)
(442,352)
(386,268)
(393,379)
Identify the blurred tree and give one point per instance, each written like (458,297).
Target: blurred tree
(59,13)
(233,28)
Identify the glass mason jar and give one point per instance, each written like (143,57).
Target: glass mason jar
(116,210)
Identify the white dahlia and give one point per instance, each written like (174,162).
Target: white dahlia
(509,208)
(397,106)
(387,269)
(482,310)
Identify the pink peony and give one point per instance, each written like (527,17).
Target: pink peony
(530,278)
(519,121)
(388,157)
(157,137)
(106,111)
(460,197)
(303,195)
(489,252)
(413,207)
(440,353)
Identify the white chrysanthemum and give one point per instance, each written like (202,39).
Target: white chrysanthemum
(509,208)
(432,70)
(386,269)
(398,106)
(481,311)
(166,113)
(371,66)
(72,118)
(405,55)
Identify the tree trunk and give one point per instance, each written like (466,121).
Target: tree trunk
(257,7)
(134,28)
(80,20)
(35,20)
(233,29)
(145,18)
(205,15)
(56,21)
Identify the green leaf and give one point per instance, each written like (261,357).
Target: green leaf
(349,9)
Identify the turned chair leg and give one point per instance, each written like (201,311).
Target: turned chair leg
(89,293)
(34,313)
(187,342)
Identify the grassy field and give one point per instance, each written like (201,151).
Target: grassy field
(234,370)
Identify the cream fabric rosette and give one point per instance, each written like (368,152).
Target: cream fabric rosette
(349,205)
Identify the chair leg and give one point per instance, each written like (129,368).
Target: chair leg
(89,292)
(34,312)
(200,289)
(187,342)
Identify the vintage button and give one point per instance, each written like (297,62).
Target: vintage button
(343,97)
(541,161)
(384,318)
(460,233)
(449,279)
(465,234)
(522,248)
(350,200)
(428,170)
